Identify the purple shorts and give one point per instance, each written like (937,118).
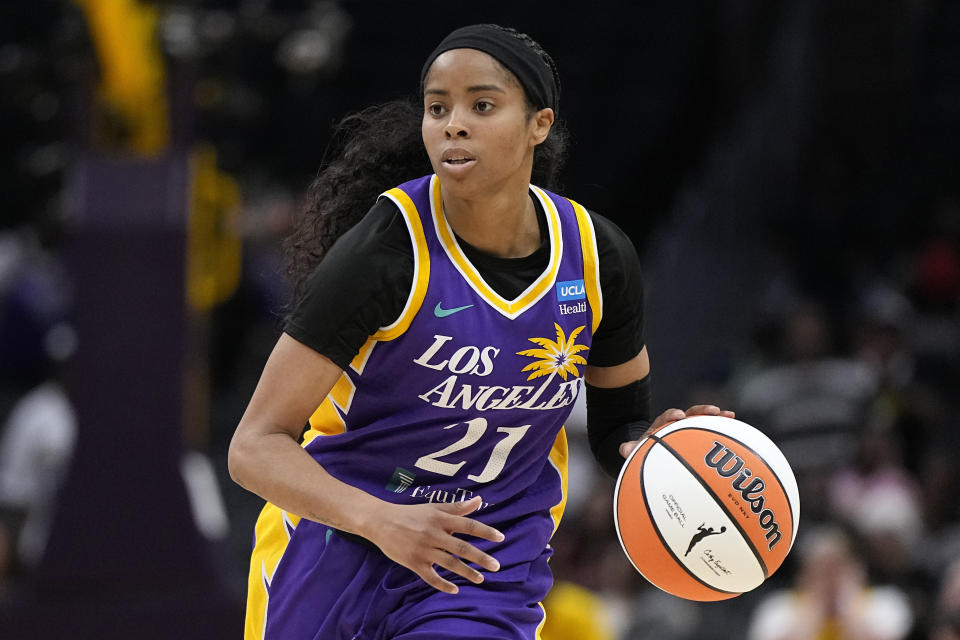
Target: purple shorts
(329,587)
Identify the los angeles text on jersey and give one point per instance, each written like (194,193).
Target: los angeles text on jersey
(471,362)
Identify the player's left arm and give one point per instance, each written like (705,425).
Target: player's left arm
(618,390)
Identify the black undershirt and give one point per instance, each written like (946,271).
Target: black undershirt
(363,283)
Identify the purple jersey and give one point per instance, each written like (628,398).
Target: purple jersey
(466,393)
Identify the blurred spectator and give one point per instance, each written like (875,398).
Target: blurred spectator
(812,400)
(35,451)
(936,269)
(941,486)
(38,433)
(657,615)
(832,598)
(946,624)
(885,316)
(809,401)
(6,561)
(880,499)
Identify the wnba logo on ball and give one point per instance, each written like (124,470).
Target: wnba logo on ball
(752,493)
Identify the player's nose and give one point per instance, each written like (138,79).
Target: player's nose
(455,127)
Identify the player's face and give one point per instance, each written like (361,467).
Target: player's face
(477,128)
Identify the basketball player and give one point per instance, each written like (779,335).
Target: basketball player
(444,338)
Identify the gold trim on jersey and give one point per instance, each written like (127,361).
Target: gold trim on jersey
(559,456)
(421,267)
(330,416)
(591,263)
(543,621)
(272,536)
(359,361)
(533,293)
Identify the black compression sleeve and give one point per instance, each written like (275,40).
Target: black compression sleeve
(615,416)
(620,334)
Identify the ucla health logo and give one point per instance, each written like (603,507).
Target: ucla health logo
(571,290)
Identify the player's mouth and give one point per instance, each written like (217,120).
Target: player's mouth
(456,157)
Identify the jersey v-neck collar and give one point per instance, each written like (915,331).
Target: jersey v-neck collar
(532,294)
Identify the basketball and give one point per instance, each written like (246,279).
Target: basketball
(706,508)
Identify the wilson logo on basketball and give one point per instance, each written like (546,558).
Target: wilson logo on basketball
(727,464)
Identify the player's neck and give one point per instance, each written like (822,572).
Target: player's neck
(503,224)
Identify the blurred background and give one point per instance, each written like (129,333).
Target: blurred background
(788,172)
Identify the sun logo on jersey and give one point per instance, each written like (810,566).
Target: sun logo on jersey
(555,356)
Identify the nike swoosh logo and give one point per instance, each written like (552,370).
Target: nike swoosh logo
(443,313)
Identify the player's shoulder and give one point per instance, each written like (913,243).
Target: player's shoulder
(382,228)
(611,239)
(377,247)
(607,227)
(607,232)
(384,217)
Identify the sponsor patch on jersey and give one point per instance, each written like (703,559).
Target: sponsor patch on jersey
(566,309)
(571,290)
(401,480)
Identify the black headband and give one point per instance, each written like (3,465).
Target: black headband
(534,73)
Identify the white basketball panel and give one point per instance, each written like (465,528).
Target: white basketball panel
(690,521)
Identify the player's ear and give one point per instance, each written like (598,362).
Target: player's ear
(543,120)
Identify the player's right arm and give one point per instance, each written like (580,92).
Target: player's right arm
(265,458)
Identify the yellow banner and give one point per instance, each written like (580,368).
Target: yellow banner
(133,110)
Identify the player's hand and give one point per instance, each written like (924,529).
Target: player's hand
(672,415)
(422,535)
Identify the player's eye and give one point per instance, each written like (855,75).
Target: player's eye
(435,109)
(483,106)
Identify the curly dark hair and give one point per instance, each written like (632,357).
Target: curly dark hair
(372,151)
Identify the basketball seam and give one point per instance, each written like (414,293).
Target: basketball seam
(709,490)
(783,490)
(656,529)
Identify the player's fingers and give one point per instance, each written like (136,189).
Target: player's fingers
(728,414)
(458,567)
(627,448)
(703,410)
(475,528)
(432,578)
(669,415)
(462,507)
(463,549)
(460,524)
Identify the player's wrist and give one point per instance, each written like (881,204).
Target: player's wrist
(364,515)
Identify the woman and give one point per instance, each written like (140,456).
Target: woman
(445,336)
